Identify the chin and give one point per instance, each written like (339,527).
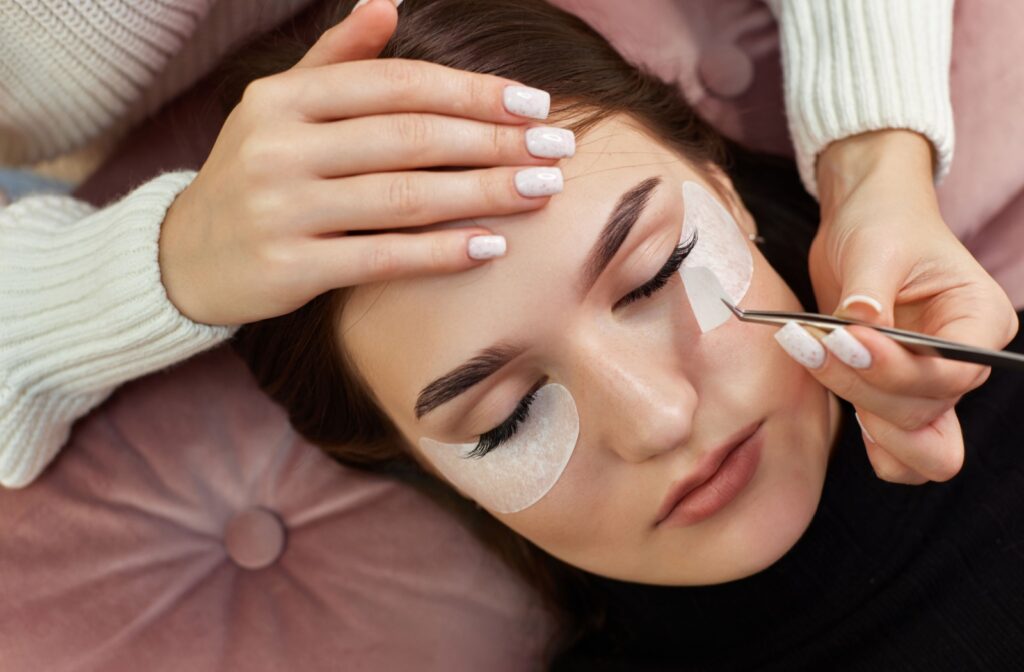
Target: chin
(777,512)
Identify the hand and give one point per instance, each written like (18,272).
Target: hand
(329,147)
(882,237)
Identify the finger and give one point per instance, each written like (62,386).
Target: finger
(361,35)
(405,141)
(886,466)
(389,85)
(353,260)
(886,365)
(415,198)
(870,279)
(906,412)
(935,451)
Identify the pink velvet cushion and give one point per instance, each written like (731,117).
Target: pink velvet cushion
(187,527)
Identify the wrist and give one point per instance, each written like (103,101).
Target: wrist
(169,257)
(901,156)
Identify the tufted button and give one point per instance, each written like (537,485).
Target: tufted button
(725,70)
(254,538)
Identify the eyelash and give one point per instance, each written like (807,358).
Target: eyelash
(507,429)
(675,260)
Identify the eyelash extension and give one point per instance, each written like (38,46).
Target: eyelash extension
(675,260)
(507,429)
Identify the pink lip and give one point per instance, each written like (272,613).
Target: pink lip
(705,471)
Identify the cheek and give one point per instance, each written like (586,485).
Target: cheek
(517,474)
(721,250)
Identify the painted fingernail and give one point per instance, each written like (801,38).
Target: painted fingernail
(549,142)
(847,348)
(863,300)
(542,181)
(867,434)
(363,2)
(527,102)
(486,247)
(800,345)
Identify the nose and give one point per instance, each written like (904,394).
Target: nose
(639,401)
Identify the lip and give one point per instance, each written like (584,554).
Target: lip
(706,470)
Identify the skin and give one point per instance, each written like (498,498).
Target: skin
(653,394)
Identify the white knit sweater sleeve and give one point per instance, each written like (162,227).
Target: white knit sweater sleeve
(82,310)
(72,71)
(852,66)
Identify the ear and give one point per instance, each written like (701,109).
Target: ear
(725,189)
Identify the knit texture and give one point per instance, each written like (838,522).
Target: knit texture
(83,310)
(72,71)
(852,66)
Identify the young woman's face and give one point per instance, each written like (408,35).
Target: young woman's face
(632,398)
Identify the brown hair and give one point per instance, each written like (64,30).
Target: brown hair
(296,357)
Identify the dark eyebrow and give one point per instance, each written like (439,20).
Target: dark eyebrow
(489,360)
(626,213)
(465,376)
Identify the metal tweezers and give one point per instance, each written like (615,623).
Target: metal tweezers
(921,344)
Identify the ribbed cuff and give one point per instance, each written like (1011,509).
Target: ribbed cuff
(853,66)
(83,310)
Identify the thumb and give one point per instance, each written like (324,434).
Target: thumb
(361,35)
(870,282)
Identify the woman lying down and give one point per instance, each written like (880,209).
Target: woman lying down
(683,492)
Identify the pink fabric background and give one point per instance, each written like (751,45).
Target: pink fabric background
(117,558)
(186,527)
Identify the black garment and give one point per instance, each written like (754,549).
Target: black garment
(887,577)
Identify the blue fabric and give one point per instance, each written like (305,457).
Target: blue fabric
(17,183)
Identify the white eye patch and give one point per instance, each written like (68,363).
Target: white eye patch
(520,471)
(721,249)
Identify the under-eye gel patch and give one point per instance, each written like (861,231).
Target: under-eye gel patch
(703,290)
(721,249)
(519,472)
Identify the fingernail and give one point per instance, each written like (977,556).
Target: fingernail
(486,247)
(527,102)
(862,300)
(549,142)
(541,181)
(864,429)
(847,348)
(363,2)
(800,345)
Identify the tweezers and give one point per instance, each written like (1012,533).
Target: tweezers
(921,344)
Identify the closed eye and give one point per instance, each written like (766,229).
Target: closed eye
(675,260)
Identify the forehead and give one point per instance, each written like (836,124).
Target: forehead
(404,333)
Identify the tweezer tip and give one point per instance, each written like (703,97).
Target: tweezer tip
(736,311)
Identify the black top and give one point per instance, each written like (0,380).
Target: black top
(887,577)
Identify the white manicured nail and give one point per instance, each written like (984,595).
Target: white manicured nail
(363,2)
(800,345)
(864,429)
(486,247)
(847,348)
(862,299)
(549,142)
(527,102)
(542,181)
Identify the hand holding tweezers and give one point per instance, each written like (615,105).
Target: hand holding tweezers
(917,343)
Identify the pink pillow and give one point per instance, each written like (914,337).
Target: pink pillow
(186,526)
